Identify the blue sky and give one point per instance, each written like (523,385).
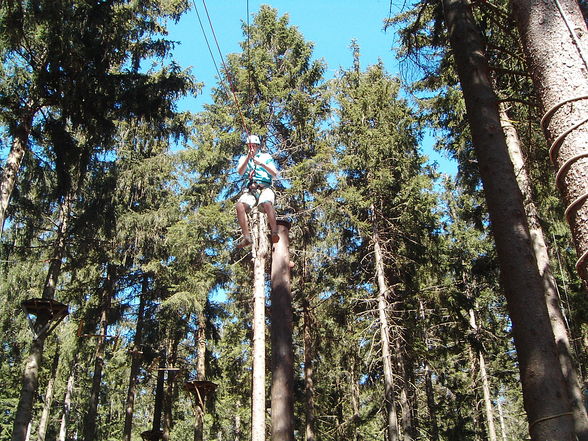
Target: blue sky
(330,25)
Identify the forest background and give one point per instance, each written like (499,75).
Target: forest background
(120,206)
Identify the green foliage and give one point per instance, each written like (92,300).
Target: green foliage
(154,192)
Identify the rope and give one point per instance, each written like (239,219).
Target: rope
(231,88)
(549,114)
(560,139)
(553,152)
(540,420)
(206,39)
(572,32)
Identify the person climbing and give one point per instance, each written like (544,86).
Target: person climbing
(260,170)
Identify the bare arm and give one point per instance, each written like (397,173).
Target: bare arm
(242,165)
(271,169)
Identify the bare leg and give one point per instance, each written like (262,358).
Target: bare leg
(271,220)
(242,218)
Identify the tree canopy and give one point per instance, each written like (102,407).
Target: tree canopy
(120,206)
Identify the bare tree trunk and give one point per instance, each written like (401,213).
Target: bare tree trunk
(12,166)
(544,391)
(44,421)
(30,383)
(282,389)
(30,380)
(431,406)
(67,401)
(29,431)
(107,292)
(136,358)
(485,384)
(170,388)
(258,390)
(352,432)
(404,392)
(237,424)
(554,37)
(558,322)
(201,370)
(308,325)
(475,413)
(159,395)
(501,417)
(487,398)
(383,293)
(309,412)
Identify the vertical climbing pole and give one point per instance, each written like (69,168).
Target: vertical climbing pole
(281,338)
(260,250)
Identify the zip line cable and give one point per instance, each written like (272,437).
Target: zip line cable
(231,86)
(207,42)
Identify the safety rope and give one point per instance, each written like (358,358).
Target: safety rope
(231,86)
(572,32)
(555,146)
(553,152)
(551,417)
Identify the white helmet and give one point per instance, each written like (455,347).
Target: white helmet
(253,139)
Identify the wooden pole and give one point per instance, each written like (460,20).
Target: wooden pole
(260,250)
(282,392)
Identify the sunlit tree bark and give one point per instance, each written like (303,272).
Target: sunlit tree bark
(554,37)
(545,395)
(558,322)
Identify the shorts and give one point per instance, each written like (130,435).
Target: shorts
(253,197)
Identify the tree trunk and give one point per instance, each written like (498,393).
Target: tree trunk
(352,431)
(407,425)
(544,392)
(12,166)
(30,383)
(558,322)
(67,401)
(282,390)
(554,37)
(430,391)
(309,412)
(170,389)
(258,391)
(431,406)
(30,380)
(501,417)
(136,358)
(201,375)
(29,432)
(237,423)
(485,383)
(44,421)
(479,429)
(383,293)
(168,404)
(107,293)
(159,395)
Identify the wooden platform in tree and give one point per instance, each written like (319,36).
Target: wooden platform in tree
(44,314)
(200,388)
(152,435)
(48,307)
